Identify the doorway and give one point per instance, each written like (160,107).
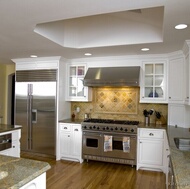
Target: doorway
(11,99)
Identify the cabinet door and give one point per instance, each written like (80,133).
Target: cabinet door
(65,140)
(151,152)
(176,80)
(76,141)
(76,91)
(153,86)
(187,77)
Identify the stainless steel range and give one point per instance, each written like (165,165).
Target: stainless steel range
(110,140)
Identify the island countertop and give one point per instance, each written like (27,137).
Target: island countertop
(20,171)
(180,159)
(5,127)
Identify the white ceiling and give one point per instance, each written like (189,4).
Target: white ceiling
(69,28)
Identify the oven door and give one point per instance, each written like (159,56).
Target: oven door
(118,142)
(92,143)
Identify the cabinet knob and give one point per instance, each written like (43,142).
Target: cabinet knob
(187,97)
(170,97)
(68,135)
(65,128)
(151,134)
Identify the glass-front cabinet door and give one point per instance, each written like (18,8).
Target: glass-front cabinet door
(75,90)
(76,77)
(153,87)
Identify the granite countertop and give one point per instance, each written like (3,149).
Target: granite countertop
(180,159)
(20,171)
(72,121)
(5,127)
(152,126)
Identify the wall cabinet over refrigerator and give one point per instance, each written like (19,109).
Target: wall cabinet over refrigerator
(154,82)
(75,90)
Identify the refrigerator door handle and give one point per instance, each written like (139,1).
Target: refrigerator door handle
(34,115)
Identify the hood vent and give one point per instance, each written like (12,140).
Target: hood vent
(112,76)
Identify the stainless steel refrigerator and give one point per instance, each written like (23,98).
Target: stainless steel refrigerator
(35,110)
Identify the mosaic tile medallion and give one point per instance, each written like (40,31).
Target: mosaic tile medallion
(116,100)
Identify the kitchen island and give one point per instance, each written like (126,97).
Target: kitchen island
(16,172)
(6,128)
(19,171)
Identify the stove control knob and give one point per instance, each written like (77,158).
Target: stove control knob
(111,129)
(85,127)
(132,130)
(116,128)
(90,127)
(121,129)
(98,128)
(107,128)
(104,128)
(94,127)
(126,130)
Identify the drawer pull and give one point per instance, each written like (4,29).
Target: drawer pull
(76,130)
(65,128)
(151,134)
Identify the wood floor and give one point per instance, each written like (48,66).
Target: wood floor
(98,175)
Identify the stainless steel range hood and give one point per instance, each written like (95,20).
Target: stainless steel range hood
(112,76)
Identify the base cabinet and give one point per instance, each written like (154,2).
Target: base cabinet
(151,150)
(14,151)
(71,142)
(37,183)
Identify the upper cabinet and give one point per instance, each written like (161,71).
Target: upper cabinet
(176,79)
(153,82)
(186,51)
(75,90)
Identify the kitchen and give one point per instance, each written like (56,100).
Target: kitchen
(173,102)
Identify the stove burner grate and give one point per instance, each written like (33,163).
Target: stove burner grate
(109,121)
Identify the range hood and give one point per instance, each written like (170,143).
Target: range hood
(112,76)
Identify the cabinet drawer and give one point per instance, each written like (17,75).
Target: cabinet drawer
(151,133)
(65,127)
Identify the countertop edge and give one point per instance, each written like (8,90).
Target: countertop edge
(31,177)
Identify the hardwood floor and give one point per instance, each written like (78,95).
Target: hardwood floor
(98,175)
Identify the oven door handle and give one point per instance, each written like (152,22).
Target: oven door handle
(94,134)
(133,137)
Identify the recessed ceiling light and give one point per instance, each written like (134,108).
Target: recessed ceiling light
(145,49)
(33,56)
(87,54)
(181,26)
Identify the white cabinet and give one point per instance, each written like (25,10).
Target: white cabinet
(178,115)
(15,149)
(151,149)
(37,63)
(176,80)
(70,142)
(76,91)
(37,183)
(186,51)
(154,82)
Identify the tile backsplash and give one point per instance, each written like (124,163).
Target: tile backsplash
(117,103)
